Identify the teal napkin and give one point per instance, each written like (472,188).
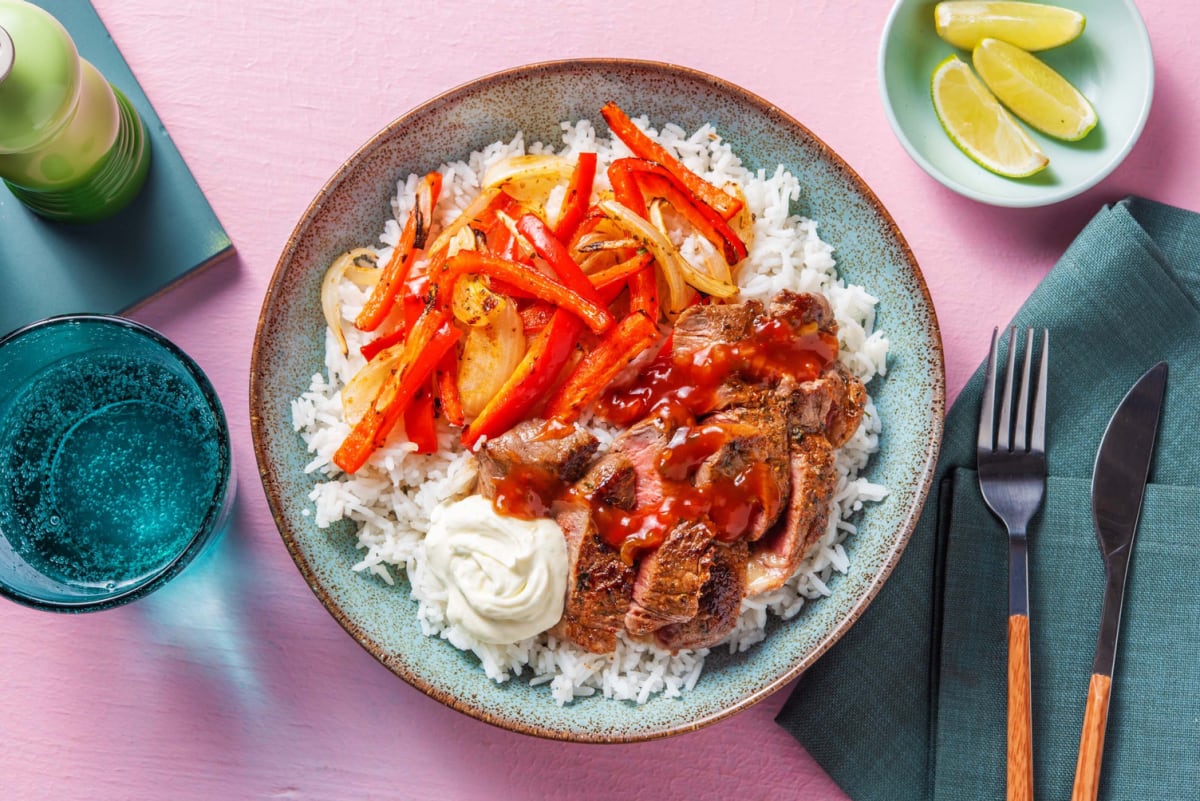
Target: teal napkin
(910,704)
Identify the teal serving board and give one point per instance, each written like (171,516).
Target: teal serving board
(165,234)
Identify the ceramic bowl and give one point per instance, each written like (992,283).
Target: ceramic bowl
(1110,63)
(350,211)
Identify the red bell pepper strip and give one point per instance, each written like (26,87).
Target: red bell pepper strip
(644,147)
(620,346)
(550,248)
(643,293)
(528,384)
(625,188)
(445,380)
(380,344)
(419,422)
(536,316)
(579,194)
(431,338)
(500,240)
(552,290)
(505,288)
(412,300)
(412,239)
(618,273)
(655,179)
(593,217)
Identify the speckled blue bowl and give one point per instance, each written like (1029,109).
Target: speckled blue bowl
(350,212)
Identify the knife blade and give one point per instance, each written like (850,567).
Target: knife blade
(1118,486)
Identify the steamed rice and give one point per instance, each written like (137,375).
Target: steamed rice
(391,504)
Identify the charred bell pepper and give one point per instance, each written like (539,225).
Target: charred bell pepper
(644,147)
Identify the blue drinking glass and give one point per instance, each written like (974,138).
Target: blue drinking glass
(115,468)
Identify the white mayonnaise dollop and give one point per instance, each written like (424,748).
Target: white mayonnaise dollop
(505,578)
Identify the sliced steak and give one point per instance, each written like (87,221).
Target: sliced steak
(748,476)
(599,585)
(849,398)
(697,327)
(720,601)
(775,557)
(612,480)
(640,447)
(806,404)
(667,589)
(800,309)
(547,452)
(831,405)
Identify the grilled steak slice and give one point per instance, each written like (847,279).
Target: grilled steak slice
(640,447)
(799,309)
(612,480)
(831,405)
(720,601)
(667,589)
(697,327)
(547,451)
(599,586)
(750,471)
(807,404)
(775,557)
(849,398)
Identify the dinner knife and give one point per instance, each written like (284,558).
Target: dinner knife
(1118,484)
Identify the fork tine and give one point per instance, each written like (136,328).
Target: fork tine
(1004,428)
(1020,430)
(1037,437)
(987,408)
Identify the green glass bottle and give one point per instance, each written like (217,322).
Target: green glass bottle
(72,148)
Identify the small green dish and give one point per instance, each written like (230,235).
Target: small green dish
(1111,63)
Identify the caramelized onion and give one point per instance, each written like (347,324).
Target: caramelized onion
(529,178)
(362,389)
(492,349)
(331,304)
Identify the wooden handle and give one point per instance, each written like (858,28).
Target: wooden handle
(1091,741)
(1020,712)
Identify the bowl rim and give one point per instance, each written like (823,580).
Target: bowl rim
(1138,32)
(273,488)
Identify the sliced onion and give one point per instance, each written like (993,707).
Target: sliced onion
(529,178)
(715,281)
(362,389)
(607,244)
(463,240)
(742,222)
(468,215)
(675,270)
(489,356)
(705,259)
(522,241)
(331,303)
(474,303)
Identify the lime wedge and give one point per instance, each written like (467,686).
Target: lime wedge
(1030,26)
(980,127)
(1034,91)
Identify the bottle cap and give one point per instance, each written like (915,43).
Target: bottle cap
(38,96)
(6,54)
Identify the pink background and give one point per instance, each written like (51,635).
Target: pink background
(234,682)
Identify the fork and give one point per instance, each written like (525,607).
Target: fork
(1012,478)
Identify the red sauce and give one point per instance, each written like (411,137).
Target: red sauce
(680,389)
(528,491)
(773,350)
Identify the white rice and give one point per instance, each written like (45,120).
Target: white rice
(391,500)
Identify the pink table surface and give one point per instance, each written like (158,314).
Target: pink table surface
(234,682)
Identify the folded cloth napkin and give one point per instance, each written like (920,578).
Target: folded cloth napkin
(911,703)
